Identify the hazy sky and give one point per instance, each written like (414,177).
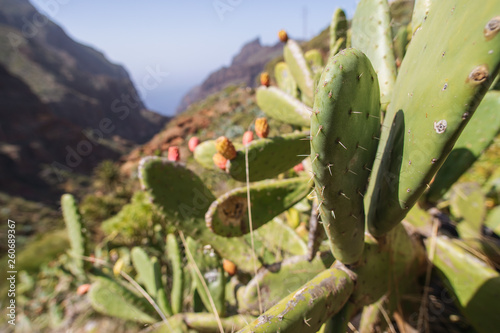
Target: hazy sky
(186,39)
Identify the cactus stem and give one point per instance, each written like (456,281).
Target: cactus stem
(340,143)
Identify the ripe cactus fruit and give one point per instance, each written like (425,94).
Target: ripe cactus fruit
(345,127)
(82,289)
(229,267)
(281,106)
(371,34)
(283,36)
(269,157)
(228,215)
(432,102)
(193,143)
(261,127)
(247,137)
(265,80)
(220,161)
(298,168)
(173,154)
(225,147)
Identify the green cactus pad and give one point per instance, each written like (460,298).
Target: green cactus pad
(75,229)
(269,157)
(174,256)
(314,60)
(281,239)
(300,70)
(371,34)
(279,105)
(184,200)
(476,286)
(493,220)
(228,215)
(468,208)
(434,100)
(306,309)
(276,281)
(475,138)
(345,127)
(148,272)
(285,80)
(113,299)
(338,31)
(420,12)
(202,322)
(210,266)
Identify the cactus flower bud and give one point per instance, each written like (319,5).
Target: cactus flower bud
(220,161)
(173,154)
(265,80)
(261,127)
(283,36)
(247,137)
(193,142)
(225,147)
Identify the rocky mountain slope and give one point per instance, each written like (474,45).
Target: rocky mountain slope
(244,69)
(63,105)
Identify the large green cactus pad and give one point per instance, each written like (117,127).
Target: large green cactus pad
(269,157)
(300,70)
(345,127)
(338,31)
(306,309)
(433,100)
(371,33)
(279,105)
(228,215)
(75,229)
(475,138)
(476,286)
(184,200)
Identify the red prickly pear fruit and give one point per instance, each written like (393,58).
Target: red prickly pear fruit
(220,161)
(247,137)
(173,154)
(82,289)
(298,168)
(229,267)
(225,147)
(193,142)
(283,36)
(265,80)
(261,127)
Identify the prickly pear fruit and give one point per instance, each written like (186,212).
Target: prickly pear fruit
(247,137)
(193,143)
(345,126)
(225,147)
(283,36)
(82,289)
(229,267)
(261,127)
(298,168)
(265,80)
(173,154)
(220,161)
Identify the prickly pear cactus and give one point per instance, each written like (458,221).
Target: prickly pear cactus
(345,128)
(76,231)
(279,105)
(433,101)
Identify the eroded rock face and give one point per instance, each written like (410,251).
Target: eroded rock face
(59,96)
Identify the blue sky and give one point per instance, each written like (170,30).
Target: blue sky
(187,39)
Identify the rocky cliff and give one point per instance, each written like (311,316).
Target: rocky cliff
(245,68)
(63,105)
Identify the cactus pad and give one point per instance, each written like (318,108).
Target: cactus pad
(281,106)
